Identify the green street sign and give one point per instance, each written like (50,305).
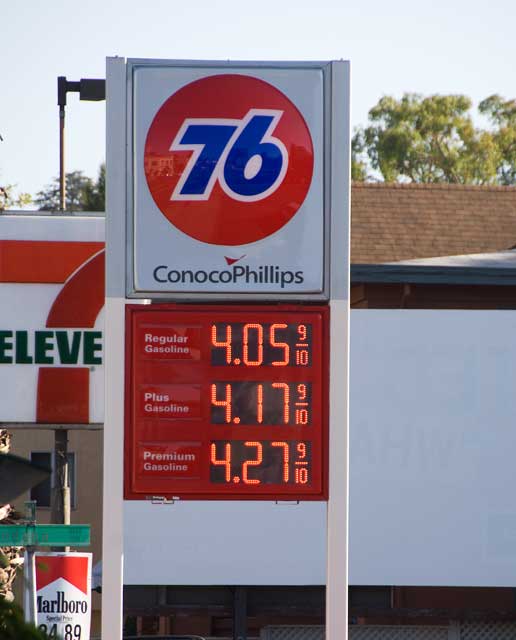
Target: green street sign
(45,535)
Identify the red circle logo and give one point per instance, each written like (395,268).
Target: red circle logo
(228,159)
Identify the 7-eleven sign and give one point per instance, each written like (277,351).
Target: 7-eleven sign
(51,326)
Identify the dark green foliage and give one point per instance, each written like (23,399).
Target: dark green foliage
(12,625)
(433,139)
(82,193)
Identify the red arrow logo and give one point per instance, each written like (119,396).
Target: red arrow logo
(231,261)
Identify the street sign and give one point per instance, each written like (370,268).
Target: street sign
(45,535)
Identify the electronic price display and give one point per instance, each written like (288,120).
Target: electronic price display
(227,402)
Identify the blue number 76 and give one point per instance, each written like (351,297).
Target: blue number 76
(242,155)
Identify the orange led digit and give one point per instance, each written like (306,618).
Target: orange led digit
(226,403)
(286,457)
(286,398)
(226,344)
(280,345)
(301,475)
(259,407)
(301,416)
(259,348)
(226,462)
(252,463)
(301,357)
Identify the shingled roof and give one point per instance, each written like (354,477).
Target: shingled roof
(391,222)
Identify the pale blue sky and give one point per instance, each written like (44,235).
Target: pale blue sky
(438,46)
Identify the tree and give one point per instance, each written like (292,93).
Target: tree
(11,558)
(502,114)
(433,139)
(358,161)
(12,625)
(9,200)
(82,193)
(95,194)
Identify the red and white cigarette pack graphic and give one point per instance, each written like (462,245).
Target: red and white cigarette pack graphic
(62,594)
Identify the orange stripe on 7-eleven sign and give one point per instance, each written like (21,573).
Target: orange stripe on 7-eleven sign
(63,392)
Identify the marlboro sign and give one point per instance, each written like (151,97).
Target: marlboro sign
(62,594)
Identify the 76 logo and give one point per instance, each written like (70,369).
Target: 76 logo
(243,156)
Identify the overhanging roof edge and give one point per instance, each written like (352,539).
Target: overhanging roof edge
(416,274)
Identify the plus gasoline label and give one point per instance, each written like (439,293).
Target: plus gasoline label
(228,159)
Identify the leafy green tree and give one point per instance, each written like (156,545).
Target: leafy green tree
(76,183)
(82,193)
(10,200)
(433,139)
(359,170)
(12,625)
(95,194)
(502,114)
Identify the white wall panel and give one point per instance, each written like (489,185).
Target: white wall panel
(432,448)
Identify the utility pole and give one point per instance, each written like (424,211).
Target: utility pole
(93,90)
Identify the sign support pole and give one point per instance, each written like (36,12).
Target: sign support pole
(61,489)
(337,522)
(113,520)
(28,585)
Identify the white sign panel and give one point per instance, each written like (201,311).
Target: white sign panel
(228,180)
(432,444)
(62,594)
(51,331)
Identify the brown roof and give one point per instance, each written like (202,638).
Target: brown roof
(392,222)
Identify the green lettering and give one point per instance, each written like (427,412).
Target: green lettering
(91,346)
(68,354)
(42,346)
(5,346)
(22,350)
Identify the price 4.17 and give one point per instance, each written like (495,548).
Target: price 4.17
(261,403)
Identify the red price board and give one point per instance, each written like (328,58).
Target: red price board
(226,402)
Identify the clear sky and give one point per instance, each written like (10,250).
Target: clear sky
(436,46)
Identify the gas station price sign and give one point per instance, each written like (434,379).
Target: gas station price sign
(226,402)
